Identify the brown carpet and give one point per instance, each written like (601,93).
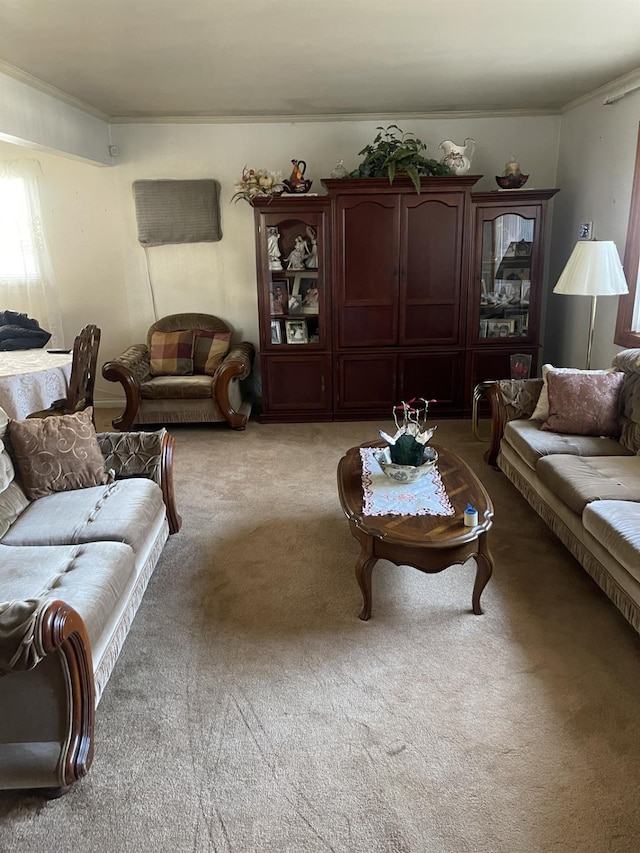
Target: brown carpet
(251,710)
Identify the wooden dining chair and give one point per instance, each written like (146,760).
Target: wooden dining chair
(83,376)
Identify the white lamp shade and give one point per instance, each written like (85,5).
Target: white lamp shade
(593,269)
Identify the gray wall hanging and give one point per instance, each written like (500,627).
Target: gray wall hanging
(177,211)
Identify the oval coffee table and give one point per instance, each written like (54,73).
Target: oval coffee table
(430,543)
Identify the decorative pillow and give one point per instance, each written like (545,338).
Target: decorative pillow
(580,404)
(541,411)
(171,353)
(209,349)
(57,454)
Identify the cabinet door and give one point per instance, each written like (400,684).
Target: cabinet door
(367,270)
(366,384)
(298,386)
(293,288)
(431,269)
(508,276)
(435,376)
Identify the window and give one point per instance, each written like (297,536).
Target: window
(628,321)
(27,283)
(17,251)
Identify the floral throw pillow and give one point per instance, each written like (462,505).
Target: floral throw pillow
(209,350)
(57,454)
(541,411)
(171,353)
(583,404)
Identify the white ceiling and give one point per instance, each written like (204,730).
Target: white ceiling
(313,58)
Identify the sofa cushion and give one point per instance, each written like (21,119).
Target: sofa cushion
(532,444)
(209,350)
(12,498)
(91,577)
(616,526)
(171,353)
(13,503)
(541,411)
(198,387)
(123,511)
(584,405)
(57,453)
(578,480)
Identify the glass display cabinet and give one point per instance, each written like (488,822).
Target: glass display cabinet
(293,303)
(503,336)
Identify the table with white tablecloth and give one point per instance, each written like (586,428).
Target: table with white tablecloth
(30,380)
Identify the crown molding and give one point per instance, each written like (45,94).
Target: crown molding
(614,88)
(48,89)
(330,117)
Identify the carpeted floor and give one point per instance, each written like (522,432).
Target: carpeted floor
(251,711)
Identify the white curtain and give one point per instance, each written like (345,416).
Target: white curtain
(635,318)
(27,282)
(511,228)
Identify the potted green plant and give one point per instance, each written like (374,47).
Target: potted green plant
(392,152)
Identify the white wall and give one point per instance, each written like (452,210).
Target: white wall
(595,173)
(33,118)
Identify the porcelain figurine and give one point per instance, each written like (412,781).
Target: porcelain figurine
(273,249)
(458,157)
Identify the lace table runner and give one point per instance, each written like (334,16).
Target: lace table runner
(383,496)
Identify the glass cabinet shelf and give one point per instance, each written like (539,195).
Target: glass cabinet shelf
(505,283)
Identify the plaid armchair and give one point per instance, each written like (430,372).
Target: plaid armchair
(188,371)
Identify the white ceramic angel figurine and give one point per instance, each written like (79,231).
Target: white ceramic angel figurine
(295,261)
(273,248)
(311,261)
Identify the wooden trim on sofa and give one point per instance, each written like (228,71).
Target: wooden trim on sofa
(498,421)
(166,478)
(115,371)
(63,631)
(233,368)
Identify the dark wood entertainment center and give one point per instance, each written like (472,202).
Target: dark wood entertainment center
(416,295)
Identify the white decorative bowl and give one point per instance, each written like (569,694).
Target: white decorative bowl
(405,473)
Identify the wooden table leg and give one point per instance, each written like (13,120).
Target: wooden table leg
(364,567)
(484,570)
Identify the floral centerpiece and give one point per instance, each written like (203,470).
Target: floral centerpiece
(407,458)
(256,184)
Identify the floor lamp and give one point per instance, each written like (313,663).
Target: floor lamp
(593,269)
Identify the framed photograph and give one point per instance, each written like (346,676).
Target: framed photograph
(500,328)
(483,328)
(276,332)
(297,332)
(510,251)
(279,295)
(310,295)
(523,249)
(524,295)
(585,230)
(520,365)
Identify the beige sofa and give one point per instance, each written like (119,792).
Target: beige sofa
(74,566)
(585,487)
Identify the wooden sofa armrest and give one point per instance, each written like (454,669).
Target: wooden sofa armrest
(509,399)
(30,631)
(130,369)
(144,454)
(237,365)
